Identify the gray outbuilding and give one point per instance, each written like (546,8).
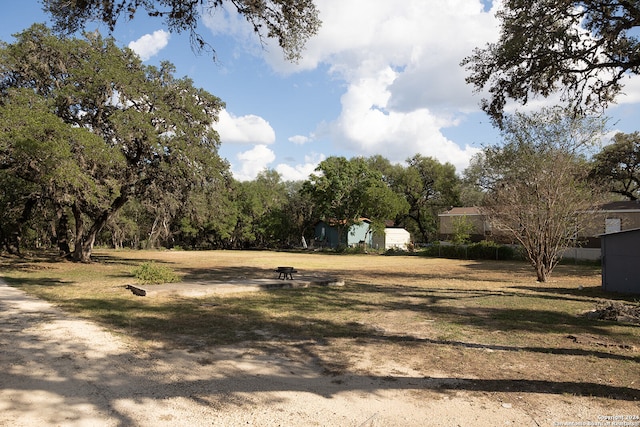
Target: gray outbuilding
(621,261)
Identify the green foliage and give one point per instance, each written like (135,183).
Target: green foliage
(104,129)
(290,23)
(428,187)
(445,251)
(485,250)
(397,251)
(490,250)
(152,273)
(347,190)
(549,46)
(617,166)
(462,228)
(262,203)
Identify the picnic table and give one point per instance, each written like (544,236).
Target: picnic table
(285,273)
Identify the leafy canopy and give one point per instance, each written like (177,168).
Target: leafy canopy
(617,166)
(582,50)
(126,130)
(345,191)
(291,22)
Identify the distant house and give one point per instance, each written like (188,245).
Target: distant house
(481,226)
(392,238)
(610,218)
(620,261)
(607,218)
(327,234)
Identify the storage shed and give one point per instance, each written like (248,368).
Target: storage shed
(392,238)
(621,261)
(358,234)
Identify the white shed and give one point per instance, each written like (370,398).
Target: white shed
(392,238)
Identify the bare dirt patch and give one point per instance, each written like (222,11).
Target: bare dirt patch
(406,342)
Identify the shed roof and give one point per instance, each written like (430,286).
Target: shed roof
(631,230)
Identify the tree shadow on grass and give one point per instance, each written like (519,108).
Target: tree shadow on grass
(36,282)
(122,260)
(183,323)
(572,293)
(399,276)
(525,270)
(76,381)
(227,273)
(493,311)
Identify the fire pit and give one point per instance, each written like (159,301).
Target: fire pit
(285,273)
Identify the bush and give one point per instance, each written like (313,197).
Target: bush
(151,273)
(352,250)
(490,250)
(445,251)
(481,250)
(395,251)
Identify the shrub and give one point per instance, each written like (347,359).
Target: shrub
(490,250)
(353,250)
(152,273)
(445,251)
(481,250)
(395,251)
(462,229)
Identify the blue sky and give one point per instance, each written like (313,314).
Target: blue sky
(381,77)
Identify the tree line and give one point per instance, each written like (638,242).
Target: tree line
(582,51)
(98,148)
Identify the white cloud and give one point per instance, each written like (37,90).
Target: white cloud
(631,91)
(300,172)
(299,139)
(223,21)
(227,21)
(400,64)
(252,162)
(149,45)
(249,129)
(368,127)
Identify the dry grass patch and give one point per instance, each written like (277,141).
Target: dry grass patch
(486,322)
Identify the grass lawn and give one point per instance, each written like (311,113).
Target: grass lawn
(483,320)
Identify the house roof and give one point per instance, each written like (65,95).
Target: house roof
(622,206)
(460,211)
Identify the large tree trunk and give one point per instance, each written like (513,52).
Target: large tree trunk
(423,231)
(85,238)
(79,253)
(83,249)
(12,232)
(60,233)
(11,242)
(541,272)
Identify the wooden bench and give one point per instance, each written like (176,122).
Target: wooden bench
(285,273)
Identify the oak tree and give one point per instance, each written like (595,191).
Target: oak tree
(429,188)
(290,22)
(582,50)
(138,131)
(617,165)
(347,190)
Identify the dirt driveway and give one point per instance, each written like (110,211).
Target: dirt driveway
(61,371)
